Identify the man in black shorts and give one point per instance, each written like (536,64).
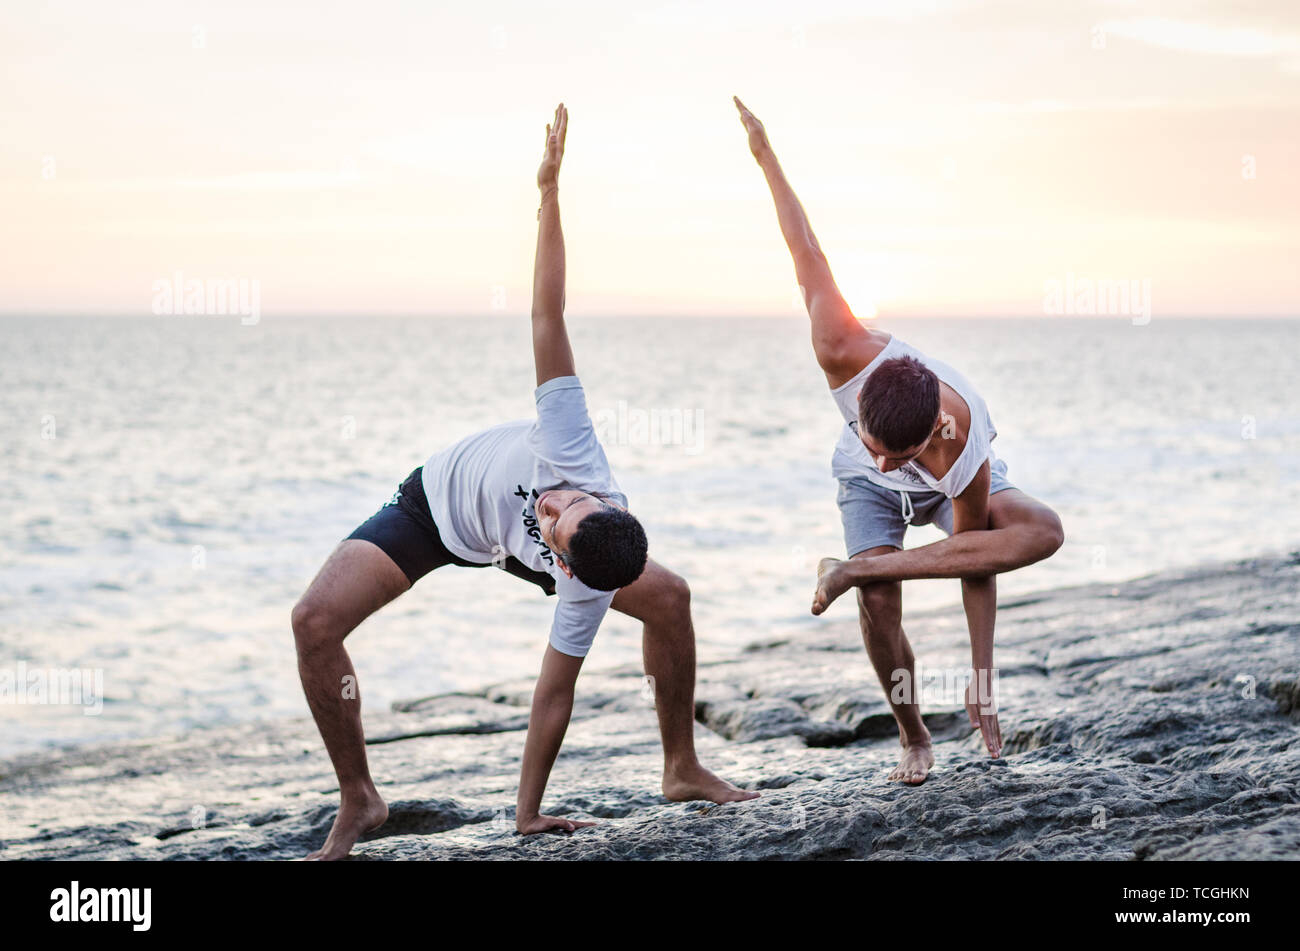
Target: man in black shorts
(537,498)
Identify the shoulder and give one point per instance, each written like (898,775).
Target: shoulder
(955,412)
(579,601)
(954,429)
(561,402)
(857,362)
(557,384)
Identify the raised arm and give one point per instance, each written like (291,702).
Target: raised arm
(843,346)
(551,351)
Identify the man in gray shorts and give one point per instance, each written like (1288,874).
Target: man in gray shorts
(916,449)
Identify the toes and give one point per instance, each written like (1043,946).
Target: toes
(910,773)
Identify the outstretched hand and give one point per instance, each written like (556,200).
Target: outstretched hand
(548,173)
(982,711)
(758,143)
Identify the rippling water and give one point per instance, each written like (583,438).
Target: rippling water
(171,485)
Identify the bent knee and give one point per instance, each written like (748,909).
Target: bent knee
(313,625)
(676,594)
(880,602)
(1048,533)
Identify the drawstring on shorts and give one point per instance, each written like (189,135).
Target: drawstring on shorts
(907,509)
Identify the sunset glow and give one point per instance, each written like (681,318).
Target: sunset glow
(379,158)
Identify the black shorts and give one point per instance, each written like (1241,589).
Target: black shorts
(404,530)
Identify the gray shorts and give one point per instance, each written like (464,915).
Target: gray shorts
(874,516)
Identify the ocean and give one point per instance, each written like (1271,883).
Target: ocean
(172,484)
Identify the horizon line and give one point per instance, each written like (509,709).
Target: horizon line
(624,315)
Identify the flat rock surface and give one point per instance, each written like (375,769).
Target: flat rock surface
(1154,719)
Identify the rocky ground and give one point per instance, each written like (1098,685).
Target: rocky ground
(1156,719)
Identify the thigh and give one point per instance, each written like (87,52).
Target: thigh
(404,530)
(872,517)
(514,566)
(1013,507)
(356,581)
(656,588)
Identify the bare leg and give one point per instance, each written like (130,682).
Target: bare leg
(1023,531)
(880,611)
(662,602)
(357,580)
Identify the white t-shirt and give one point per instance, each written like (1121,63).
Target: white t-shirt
(482,491)
(851,458)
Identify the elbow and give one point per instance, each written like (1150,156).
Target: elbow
(553,310)
(809,259)
(832,355)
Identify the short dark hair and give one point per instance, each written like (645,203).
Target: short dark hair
(899,403)
(608,549)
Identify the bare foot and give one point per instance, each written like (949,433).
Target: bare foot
(696,783)
(542,823)
(356,817)
(917,761)
(831,583)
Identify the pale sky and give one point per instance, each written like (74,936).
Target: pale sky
(380,157)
